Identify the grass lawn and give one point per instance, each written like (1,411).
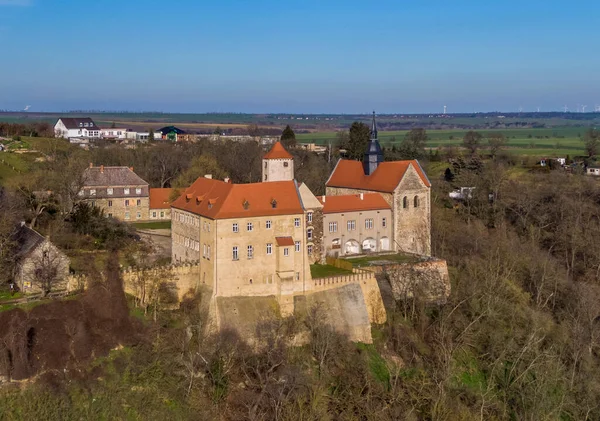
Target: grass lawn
(397,258)
(545,142)
(324,271)
(158,225)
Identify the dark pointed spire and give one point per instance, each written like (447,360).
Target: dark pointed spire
(373,155)
(373,128)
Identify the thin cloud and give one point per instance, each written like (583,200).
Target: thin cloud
(15,2)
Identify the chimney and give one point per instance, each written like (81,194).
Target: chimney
(209,176)
(91,165)
(324,198)
(101,169)
(362,196)
(131,169)
(226,179)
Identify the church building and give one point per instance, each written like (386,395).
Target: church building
(403,184)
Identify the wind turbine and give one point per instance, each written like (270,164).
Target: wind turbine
(566,108)
(27,107)
(445,108)
(583,107)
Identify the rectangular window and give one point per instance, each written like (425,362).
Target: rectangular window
(310,249)
(297,222)
(235,253)
(250,252)
(127,202)
(309,217)
(162,214)
(249,226)
(110,215)
(286,252)
(309,234)
(297,276)
(110,203)
(139,202)
(369,223)
(109,191)
(126,191)
(139,215)
(297,246)
(269,248)
(154,214)
(208,253)
(351,225)
(126,215)
(235,227)
(268,224)
(333,227)
(92,192)
(384,222)
(203,250)
(208,227)
(138,191)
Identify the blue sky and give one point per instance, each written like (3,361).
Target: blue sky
(299,56)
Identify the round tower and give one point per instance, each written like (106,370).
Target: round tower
(277,164)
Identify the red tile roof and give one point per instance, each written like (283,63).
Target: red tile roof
(387,176)
(217,199)
(278,152)
(353,203)
(284,241)
(159,198)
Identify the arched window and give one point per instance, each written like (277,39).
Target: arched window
(405,202)
(416,201)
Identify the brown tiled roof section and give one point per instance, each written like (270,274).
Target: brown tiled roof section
(387,176)
(353,203)
(111,177)
(73,123)
(217,199)
(159,198)
(278,152)
(284,241)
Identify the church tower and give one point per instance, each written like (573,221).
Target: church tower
(373,155)
(278,164)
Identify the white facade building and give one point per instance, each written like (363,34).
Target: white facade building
(76,127)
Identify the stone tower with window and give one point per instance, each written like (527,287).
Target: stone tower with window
(277,164)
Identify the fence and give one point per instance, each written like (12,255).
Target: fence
(338,263)
(356,277)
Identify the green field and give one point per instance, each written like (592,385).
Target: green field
(549,142)
(324,271)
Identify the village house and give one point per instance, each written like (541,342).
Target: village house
(120,192)
(403,184)
(76,128)
(40,265)
(114,133)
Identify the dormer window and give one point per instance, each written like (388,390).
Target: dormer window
(138,191)
(274,204)
(246,205)
(126,191)
(80,124)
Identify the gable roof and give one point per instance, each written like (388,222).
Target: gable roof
(385,178)
(73,123)
(353,203)
(27,241)
(171,129)
(159,198)
(278,152)
(217,199)
(111,176)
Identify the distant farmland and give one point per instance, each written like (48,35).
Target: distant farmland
(549,142)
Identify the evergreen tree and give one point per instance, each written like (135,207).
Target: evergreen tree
(288,137)
(448,175)
(358,140)
(150,135)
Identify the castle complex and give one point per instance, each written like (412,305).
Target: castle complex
(260,239)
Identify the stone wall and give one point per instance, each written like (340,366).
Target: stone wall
(428,279)
(318,254)
(116,208)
